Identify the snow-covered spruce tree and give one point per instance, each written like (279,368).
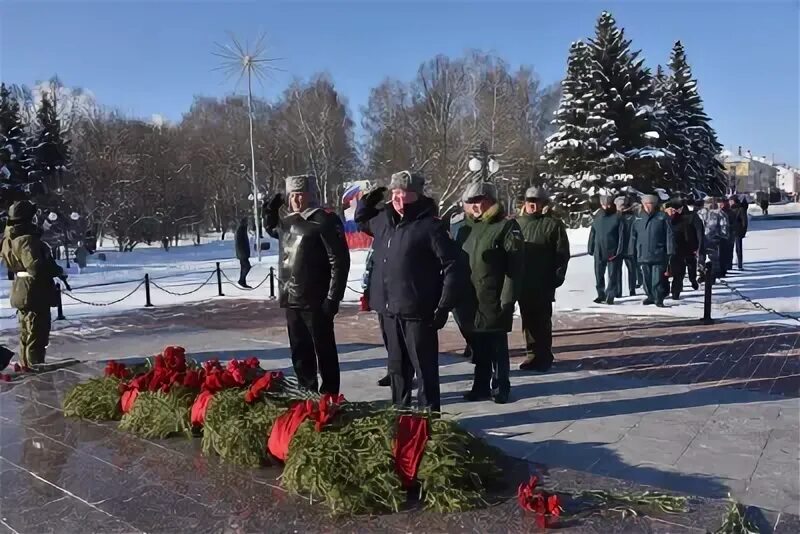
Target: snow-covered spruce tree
(51,150)
(570,152)
(622,112)
(698,162)
(13,139)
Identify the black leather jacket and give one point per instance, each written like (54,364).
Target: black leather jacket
(314,258)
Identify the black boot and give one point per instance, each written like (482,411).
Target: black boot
(501,397)
(599,300)
(610,301)
(475,396)
(648,301)
(385,381)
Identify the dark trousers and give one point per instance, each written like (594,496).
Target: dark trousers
(537,323)
(313,346)
(691,268)
(244,268)
(492,365)
(726,254)
(677,268)
(34,336)
(654,286)
(634,275)
(413,347)
(611,289)
(739,257)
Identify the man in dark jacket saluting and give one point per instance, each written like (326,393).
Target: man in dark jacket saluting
(242,242)
(654,246)
(414,284)
(606,244)
(546,258)
(312,276)
(493,245)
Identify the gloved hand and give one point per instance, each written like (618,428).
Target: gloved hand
(63,279)
(372,198)
(440,317)
(330,307)
(612,258)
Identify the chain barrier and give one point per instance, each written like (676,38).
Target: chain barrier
(757,304)
(101,305)
(236,284)
(183,294)
(354,290)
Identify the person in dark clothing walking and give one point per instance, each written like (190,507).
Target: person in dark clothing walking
(738,228)
(493,245)
(686,244)
(727,245)
(626,215)
(546,259)
(242,243)
(312,276)
(414,284)
(692,211)
(606,241)
(654,246)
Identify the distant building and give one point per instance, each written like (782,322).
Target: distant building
(749,174)
(788,179)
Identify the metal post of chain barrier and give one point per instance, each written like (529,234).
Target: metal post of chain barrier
(219,281)
(272,282)
(59,306)
(147,304)
(709,281)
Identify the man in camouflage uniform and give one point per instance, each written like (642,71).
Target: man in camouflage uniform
(33,290)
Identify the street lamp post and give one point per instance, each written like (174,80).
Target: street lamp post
(483,162)
(53,217)
(257,199)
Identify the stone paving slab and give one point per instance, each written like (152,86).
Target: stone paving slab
(670,404)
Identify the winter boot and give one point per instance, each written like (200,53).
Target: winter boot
(648,301)
(599,300)
(610,301)
(475,396)
(501,397)
(386,381)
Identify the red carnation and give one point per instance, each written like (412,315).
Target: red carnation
(193,379)
(546,506)
(116,369)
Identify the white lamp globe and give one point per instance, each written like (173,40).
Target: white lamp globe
(52,216)
(250,197)
(475,164)
(494,166)
(74,216)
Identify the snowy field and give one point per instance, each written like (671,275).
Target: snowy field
(186,274)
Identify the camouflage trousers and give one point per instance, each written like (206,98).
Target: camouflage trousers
(34,336)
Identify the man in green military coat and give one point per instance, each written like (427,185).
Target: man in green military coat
(546,258)
(653,244)
(32,292)
(492,246)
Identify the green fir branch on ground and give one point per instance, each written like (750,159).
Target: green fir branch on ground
(630,503)
(456,468)
(735,521)
(237,431)
(96,399)
(157,415)
(350,465)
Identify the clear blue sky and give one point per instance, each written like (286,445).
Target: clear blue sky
(147,57)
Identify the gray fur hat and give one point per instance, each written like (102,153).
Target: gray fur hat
(408,181)
(302,183)
(480,189)
(606,199)
(538,193)
(652,199)
(620,202)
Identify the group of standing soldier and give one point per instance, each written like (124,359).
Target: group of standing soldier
(658,244)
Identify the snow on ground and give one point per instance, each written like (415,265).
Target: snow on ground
(771,277)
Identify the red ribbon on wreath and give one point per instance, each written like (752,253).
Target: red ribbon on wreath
(285,426)
(412,436)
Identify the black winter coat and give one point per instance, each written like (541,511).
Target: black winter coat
(416,268)
(738,221)
(607,236)
(685,234)
(627,217)
(242,242)
(315,260)
(651,238)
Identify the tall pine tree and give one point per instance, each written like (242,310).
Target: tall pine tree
(51,151)
(622,111)
(697,166)
(570,151)
(13,145)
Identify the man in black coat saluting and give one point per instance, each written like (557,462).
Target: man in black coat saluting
(242,243)
(312,276)
(415,283)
